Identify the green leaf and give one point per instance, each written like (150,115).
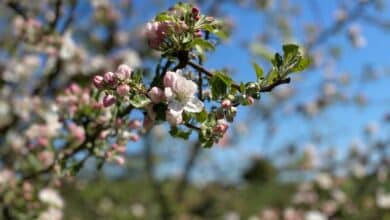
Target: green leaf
(259,71)
(139,101)
(204,44)
(176,132)
(137,76)
(272,76)
(202,116)
(219,84)
(290,50)
(303,63)
(225,78)
(163,16)
(221,34)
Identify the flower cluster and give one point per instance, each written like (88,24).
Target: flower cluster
(176,29)
(118,82)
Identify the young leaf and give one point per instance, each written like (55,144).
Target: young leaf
(206,45)
(303,63)
(259,71)
(139,101)
(176,132)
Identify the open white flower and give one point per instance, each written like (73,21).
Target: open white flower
(180,94)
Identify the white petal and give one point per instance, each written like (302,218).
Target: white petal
(168,93)
(175,105)
(193,105)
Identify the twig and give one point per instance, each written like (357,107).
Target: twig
(183,181)
(165,211)
(267,88)
(65,155)
(57,12)
(18,9)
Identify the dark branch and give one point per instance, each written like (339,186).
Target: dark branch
(18,9)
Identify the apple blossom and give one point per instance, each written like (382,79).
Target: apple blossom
(123,72)
(180,94)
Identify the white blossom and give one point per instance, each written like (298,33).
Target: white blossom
(51,214)
(315,215)
(51,197)
(180,94)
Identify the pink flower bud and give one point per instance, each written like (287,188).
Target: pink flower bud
(123,89)
(169,79)
(156,95)
(134,137)
(77,131)
(109,78)
(226,103)
(196,17)
(195,11)
(221,127)
(123,72)
(108,100)
(98,81)
(198,33)
(74,88)
(43,141)
(250,100)
(135,124)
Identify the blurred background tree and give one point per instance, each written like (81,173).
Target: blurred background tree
(314,149)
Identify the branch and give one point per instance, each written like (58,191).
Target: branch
(57,12)
(68,154)
(267,88)
(165,211)
(183,181)
(18,9)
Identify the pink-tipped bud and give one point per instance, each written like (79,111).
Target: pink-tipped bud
(221,127)
(195,10)
(123,72)
(250,100)
(74,88)
(77,131)
(198,33)
(98,81)
(169,79)
(134,137)
(109,78)
(135,124)
(156,95)
(226,103)
(123,90)
(197,17)
(108,100)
